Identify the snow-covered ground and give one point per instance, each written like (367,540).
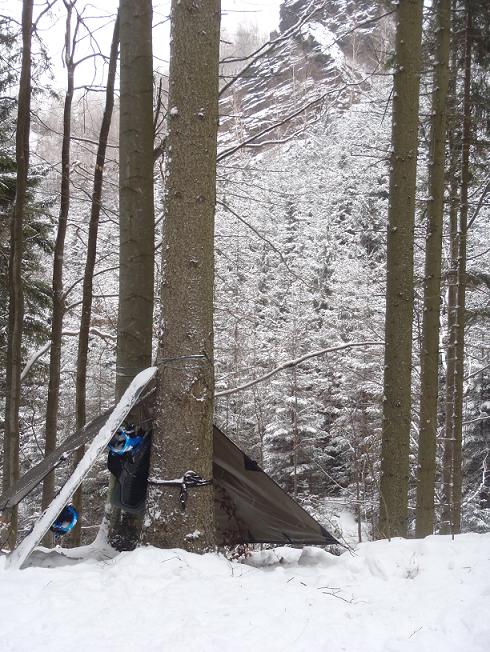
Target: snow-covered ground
(431,595)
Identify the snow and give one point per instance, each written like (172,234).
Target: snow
(398,596)
(326,39)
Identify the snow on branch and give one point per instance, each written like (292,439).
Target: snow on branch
(246,143)
(41,351)
(294,363)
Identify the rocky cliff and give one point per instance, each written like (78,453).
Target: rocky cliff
(322,56)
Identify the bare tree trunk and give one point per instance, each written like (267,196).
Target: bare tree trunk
(358,501)
(83,338)
(136,258)
(399,287)
(295,428)
(16,288)
(429,385)
(452,293)
(183,428)
(137,241)
(57,283)
(461,299)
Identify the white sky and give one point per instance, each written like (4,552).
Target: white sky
(263,13)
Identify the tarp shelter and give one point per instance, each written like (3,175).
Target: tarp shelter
(249,506)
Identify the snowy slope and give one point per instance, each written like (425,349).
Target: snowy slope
(429,595)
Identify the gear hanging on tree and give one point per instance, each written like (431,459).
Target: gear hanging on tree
(124,440)
(189,479)
(66,521)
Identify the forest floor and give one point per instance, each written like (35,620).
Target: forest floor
(404,595)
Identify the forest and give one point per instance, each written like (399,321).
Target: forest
(293,227)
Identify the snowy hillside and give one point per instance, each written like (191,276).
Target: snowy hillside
(429,595)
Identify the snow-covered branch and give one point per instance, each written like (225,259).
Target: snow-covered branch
(37,355)
(246,143)
(294,363)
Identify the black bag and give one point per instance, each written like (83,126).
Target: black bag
(131,473)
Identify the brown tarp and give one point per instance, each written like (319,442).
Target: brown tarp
(250,506)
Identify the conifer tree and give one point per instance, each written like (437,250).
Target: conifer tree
(459,348)
(426,472)
(399,273)
(136,221)
(183,434)
(16,290)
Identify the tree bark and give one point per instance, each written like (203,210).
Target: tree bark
(136,226)
(429,386)
(87,292)
(399,287)
(16,289)
(136,213)
(452,293)
(57,282)
(183,427)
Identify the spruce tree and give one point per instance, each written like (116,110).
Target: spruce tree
(183,432)
(136,221)
(426,473)
(393,509)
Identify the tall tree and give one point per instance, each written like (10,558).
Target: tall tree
(16,291)
(399,274)
(456,484)
(87,292)
(452,295)
(136,219)
(58,259)
(426,473)
(467,135)
(182,438)
(136,213)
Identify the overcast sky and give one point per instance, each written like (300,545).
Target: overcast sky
(263,13)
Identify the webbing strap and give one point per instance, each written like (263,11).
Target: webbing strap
(188,480)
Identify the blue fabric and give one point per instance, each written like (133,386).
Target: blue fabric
(122,442)
(66,521)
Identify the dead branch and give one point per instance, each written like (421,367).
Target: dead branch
(294,363)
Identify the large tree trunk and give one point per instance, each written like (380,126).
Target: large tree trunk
(58,260)
(429,386)
(399,286)
(183,427)
(83,337)
(136,226)
(16,290)
(136,214)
